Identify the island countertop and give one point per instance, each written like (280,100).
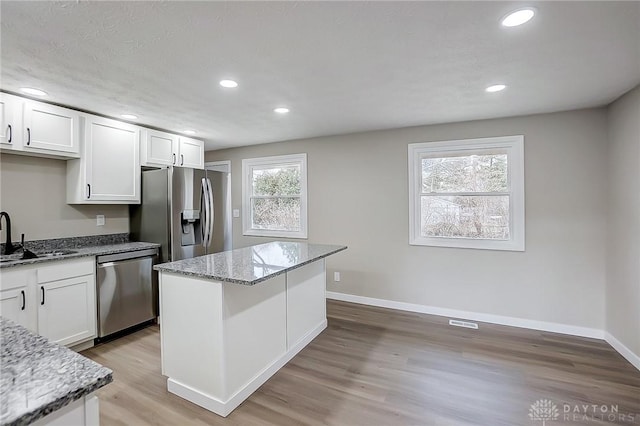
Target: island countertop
(39,377)
(251,265)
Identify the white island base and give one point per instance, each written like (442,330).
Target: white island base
(221,341)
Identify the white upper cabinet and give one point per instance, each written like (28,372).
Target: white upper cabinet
(159,149)
(51,128)
(109,170)
(7,123)
(190,153)
(35,128)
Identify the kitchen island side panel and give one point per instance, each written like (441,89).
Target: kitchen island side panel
(255,324)
(306,301)
(191,332)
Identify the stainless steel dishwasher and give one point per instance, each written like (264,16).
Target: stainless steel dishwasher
(127,290)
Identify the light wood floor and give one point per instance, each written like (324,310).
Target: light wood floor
(375,366)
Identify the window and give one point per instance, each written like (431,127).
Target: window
(467,193)
(274,194)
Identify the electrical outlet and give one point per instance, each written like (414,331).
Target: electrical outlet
(100,220)
(336,276)
(236,212)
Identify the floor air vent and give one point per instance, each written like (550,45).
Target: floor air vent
(465,324)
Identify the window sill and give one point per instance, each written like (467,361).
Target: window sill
(274,234)
(510,245)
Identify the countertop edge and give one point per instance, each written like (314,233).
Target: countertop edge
(209,277)
(90,251)
(43,411)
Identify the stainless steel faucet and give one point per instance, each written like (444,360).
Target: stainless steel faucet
(8,246)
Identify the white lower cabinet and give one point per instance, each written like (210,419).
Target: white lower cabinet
(67,310)
(13,305)
(83,412)
(56,300)
(16,296)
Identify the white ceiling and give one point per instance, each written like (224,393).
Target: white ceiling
(340,67)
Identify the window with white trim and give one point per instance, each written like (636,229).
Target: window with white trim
(467,193)
(274,196)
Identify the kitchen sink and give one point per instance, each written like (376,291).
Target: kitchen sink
(55,253)
(10,257)
(20,256)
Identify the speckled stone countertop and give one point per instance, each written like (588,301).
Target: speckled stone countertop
(251,265)
(96,250)
(38,377)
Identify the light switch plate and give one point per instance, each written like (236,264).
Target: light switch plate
(100,220)
(236,212)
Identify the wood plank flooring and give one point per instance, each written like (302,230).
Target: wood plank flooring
(375,366)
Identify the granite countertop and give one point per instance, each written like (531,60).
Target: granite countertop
(251,265)
(96,250)
(38,377)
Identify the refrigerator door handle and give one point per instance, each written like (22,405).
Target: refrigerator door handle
(205,213)
(210,213)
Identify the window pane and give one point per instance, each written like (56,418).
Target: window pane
(278,214)
(465,173)
(478,217)
(280,180)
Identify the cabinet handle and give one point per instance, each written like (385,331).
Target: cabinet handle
(24,300)
(181,159)
(42,302)
(28,136)
(174,158)
(88,190)
(10,131)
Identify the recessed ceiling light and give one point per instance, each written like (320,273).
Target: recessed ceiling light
(129,116)
(34,92)
(281,110)
(518,17)
(189,132)
(495,88)
(230,84)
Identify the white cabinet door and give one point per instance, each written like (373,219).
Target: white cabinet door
(67,310)
(50,128)
(13,305)
(9,129)
(112,160)
(190,153)
(158,148)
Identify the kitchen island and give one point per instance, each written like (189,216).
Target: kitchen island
(231,320)
(44,383)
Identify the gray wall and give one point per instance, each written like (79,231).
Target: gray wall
(32,191)
(358,196)
(623,248)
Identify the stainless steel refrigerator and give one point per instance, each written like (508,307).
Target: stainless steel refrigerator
(187,211)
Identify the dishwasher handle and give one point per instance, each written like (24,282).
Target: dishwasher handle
(126,256)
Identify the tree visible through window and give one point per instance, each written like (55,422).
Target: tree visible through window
(275,200)
(465,196)
(275,196)
(468,193)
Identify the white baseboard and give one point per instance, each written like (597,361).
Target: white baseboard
(475,316)
(616,344)
(82,346)
(224,408)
